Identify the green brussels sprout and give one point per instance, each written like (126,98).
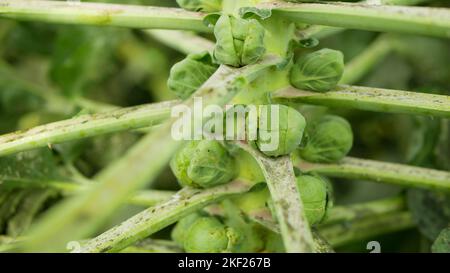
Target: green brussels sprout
(318,71)
(201,5)
(291,125)
(239,41)
(315,194)
(179,231)
(189,74)
(327,140)
(203,164)
(207,235)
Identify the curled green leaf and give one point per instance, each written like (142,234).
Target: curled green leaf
(203,164)
(239,41)
(328,140)
(318,71)
(189,74)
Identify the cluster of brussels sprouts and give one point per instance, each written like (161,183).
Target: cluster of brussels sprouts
(232,232)
(208,163)
(200,232)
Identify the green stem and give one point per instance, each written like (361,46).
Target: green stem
(85,126)
(156,218)
(392,173)
(415,20)
(367,60)
(365,228)
(372,99)
(101,14)
(353,212)
(80,216)
(280,179)
(184,42)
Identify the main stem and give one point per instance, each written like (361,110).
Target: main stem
(280,179)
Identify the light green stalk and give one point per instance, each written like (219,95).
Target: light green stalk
(397,174)
(280,179)
(100,14)
(80,216)
(156,218)
(86,126)
(372,99)
(415,20)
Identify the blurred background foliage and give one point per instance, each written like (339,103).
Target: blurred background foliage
(53,72)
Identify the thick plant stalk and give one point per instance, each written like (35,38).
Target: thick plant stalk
(156,218)
(372,99)
(81,13)
(414,20)
(86,126)
(392,173)
(280,179)
(80,216)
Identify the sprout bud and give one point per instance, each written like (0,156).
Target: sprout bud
(328,140)
(239,41)
(315,194)
(318,71)
(179,231)
(189,74)
(206,235)
(203,164)
(289,127)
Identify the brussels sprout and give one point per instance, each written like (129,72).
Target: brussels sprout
(318,71)
(201,5)
(315,195)
(239,41)
(206,234)
(179,231)
(289,127)
(203,164)
(189,74)
(327,140)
